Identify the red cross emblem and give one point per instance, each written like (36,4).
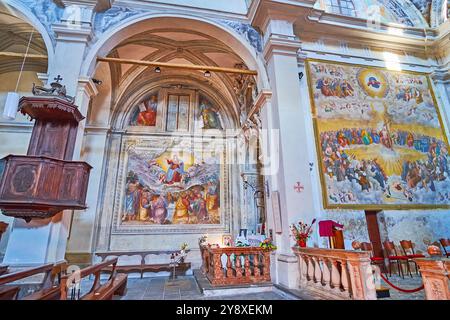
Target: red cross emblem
(298,187)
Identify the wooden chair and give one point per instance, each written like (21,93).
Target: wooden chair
(445,243)
(367,246)
(116,283)
(393,257)
(408,250)
(49,290)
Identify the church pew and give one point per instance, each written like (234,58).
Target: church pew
(48,291)
(115,285)
(143,266)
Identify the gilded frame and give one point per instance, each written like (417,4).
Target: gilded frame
(327,205)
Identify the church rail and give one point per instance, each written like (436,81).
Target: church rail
(435,275)
(340,274)
(243,265)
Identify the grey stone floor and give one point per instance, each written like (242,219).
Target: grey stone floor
(183,288)
(407,283)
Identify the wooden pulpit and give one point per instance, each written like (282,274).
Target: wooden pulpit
(45,181)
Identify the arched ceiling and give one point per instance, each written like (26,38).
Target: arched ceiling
(174,45)
(14,37)
(413,13)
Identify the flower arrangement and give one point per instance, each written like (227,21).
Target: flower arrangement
(184,246)
(242,243)
(267,244)
(301,232)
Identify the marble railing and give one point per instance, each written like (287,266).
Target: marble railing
(336,273)
(435,275)
(242,265)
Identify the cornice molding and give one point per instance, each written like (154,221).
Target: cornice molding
(75,33)
(282,46)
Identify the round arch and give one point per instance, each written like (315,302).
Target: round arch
(24,12)
(146,21)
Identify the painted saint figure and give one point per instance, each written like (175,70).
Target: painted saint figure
(210,116)
(147,116)
(159,209)
(175,170)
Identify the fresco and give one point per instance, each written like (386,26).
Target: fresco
(144,114)
(379,138)
(208,113)
(171,187)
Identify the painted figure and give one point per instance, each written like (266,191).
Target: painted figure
(159,209)
(175,170)
(147,117)
(182,208)
(210,116)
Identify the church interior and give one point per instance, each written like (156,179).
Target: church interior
(214,150)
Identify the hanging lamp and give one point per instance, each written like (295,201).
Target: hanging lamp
(12,99)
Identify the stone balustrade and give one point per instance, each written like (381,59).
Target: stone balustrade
(338,274)
(435,274)
(243,265)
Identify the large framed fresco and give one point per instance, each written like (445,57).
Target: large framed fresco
(170,183)
(379,138)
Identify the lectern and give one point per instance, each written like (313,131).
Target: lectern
(45,181)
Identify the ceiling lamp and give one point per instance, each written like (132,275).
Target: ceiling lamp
(158,70)
(207,74)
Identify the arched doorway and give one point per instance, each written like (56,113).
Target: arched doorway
(172,170)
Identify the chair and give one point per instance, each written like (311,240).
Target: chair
(445,243)
(367,246)
(408,250)
(392,256)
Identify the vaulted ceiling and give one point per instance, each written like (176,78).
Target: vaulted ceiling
(14,36)
(174,45)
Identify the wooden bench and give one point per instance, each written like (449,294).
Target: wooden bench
(48,291)
(115,285)
(180,269)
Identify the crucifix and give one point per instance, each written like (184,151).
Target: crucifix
(58,78)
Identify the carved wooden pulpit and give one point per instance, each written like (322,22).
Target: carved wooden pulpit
(45,181)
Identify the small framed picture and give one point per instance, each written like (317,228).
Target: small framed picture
(243,233)
(227,240)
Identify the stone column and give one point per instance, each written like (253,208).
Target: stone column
(44,241)
(286,117)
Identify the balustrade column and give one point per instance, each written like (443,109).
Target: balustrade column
(238,266)
(303,265)
(317,270)
(256,271)
(344,276)
(326,275)
(335,275)
(266,266)
(248,272)
(217,266)
(310,269)
(229,266)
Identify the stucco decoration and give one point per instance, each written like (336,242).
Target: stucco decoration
(424,6)
(47,13)
(247,31)
(106,20)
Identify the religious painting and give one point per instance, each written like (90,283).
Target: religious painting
(208,112)
(379,138)
(171,186)
(144,114)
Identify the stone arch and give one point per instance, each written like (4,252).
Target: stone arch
(24,12)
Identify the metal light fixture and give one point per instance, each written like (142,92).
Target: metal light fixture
(207,74)
(158,70)
(12,99)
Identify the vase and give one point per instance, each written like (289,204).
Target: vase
(301,243)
